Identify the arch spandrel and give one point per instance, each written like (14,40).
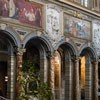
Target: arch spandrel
(12,36)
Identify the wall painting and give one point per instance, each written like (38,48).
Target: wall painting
(53,22)
(96,36)
(22,10)
(77,27)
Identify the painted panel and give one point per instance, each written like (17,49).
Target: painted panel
(77,27)
(53,25)
(96,36)
(22,10)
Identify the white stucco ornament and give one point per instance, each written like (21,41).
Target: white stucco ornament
(3,26)
(39,33)
(53,22)
(96,36)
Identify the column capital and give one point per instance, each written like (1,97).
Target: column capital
(75,58)
(94,61)
(50,55)
(20,51)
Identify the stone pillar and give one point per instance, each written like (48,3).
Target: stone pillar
(88,80)
(19,69)
(76,79)
(68,79)
(52,74)
(95,90)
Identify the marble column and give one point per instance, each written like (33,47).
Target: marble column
(95,80)
(19,69)
(52,74)
(76,79)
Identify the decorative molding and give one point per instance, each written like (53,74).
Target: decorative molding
(76,6)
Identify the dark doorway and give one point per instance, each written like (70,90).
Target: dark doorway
(32,55)
(3,78)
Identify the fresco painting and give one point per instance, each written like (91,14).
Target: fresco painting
(22,10)
(52,22)
(77,27)
(96,36)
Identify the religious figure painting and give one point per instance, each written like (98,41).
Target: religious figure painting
(77,27)
(22,10)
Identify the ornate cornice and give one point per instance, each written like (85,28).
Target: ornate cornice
(76,6)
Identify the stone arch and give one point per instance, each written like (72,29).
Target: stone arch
(44,48)
(12,35)
(67,51)
(70,44)
(90,50)
(47,43)
(89,67)
(8,56)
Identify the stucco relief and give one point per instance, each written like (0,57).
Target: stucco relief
(96,36)
(53,25)
(3,26)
